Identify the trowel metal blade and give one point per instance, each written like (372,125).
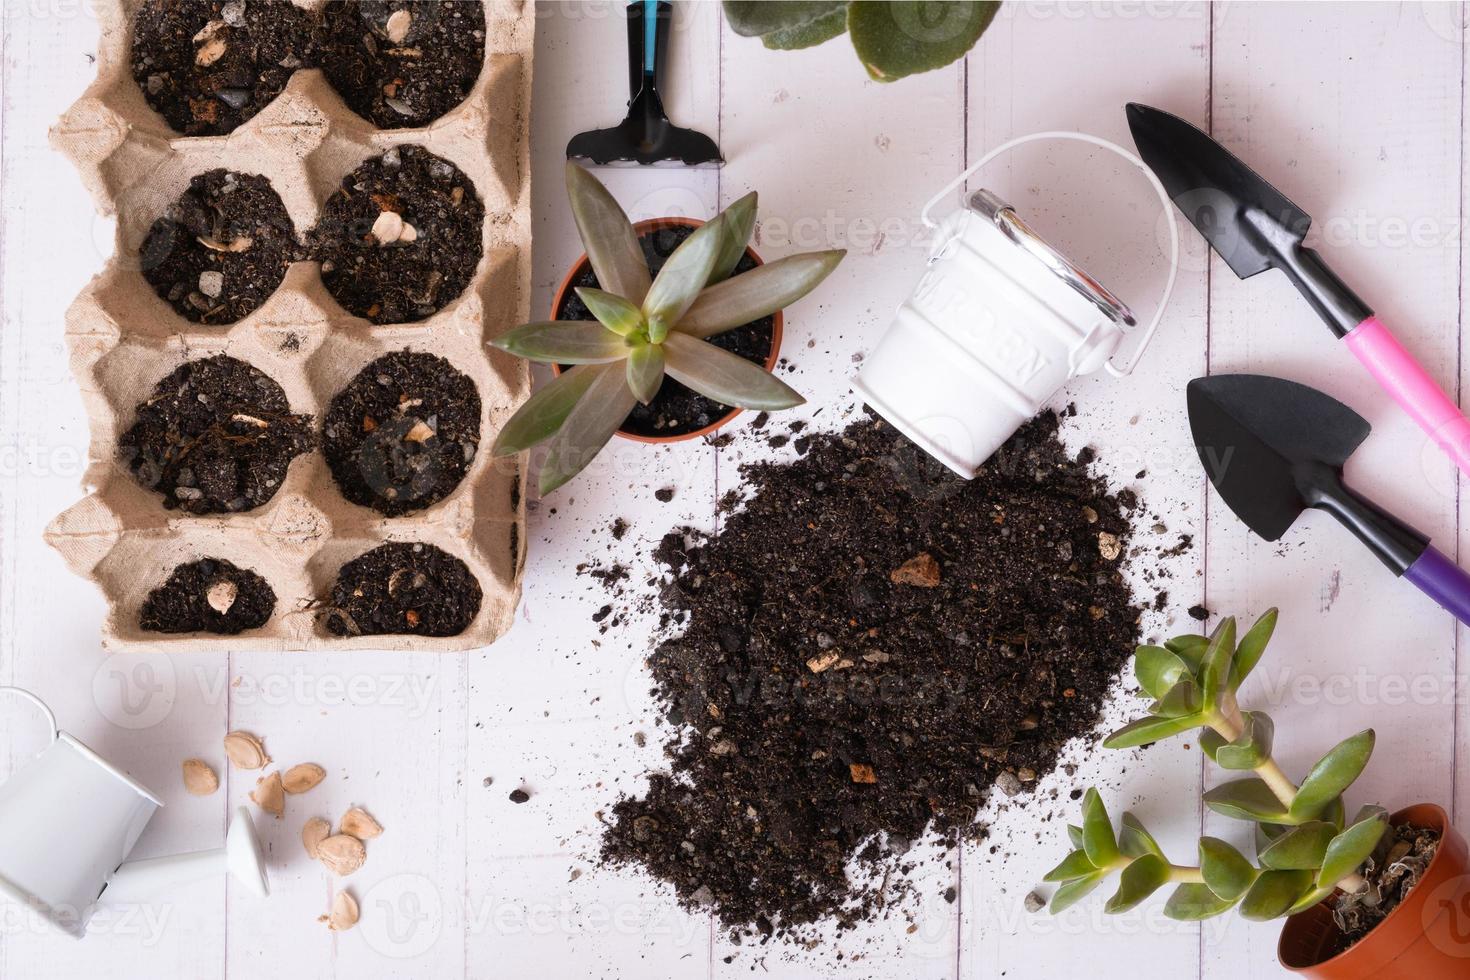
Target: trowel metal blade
(1265,442)
(1249,223)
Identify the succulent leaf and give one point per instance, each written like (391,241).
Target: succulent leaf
(896,38)
(1144,731)
(1247,799)
(1348,850)
(1157,670)
(727,378)
(1336,771)
(1139,880)
(1075,865)
(739,224)
(1268,833)
(1182,699)
(646,371)
(752,18)
(1254,745)
(1074,834)
(563,342)
(612,311)
(1135,841)
(1189,647)
(1252,647)
(757,293)
(545,411)
(1192,902)
(1314,897)
(608,236)
(1097,831)
(1274,893)
(1226,871)
(588,427)
(684,274)
(1075,891)
(810,35)
(1215,668)
(1301,848)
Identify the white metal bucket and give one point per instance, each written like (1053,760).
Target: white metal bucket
(68,819)
(998,324)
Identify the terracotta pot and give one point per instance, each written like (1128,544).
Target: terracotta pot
(642,228)
(1426,938)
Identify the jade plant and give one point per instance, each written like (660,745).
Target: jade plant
(892,38)
(1305,848)
(650,326)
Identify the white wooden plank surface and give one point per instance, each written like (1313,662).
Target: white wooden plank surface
(1355,110)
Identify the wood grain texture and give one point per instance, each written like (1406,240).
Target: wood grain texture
(1355,110)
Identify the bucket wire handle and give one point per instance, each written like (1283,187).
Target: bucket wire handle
(25,695)
(1163,195)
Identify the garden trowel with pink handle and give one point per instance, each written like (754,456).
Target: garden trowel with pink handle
(1273,448)
(1254,227)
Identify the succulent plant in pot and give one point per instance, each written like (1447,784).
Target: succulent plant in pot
(1376,895)
(649,328)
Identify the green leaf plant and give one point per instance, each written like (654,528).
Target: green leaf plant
(1306,849)
(892,38)
(649,327)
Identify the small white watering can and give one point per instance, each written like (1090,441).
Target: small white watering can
(998,324)
(68,820)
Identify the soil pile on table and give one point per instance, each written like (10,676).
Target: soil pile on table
(868,648)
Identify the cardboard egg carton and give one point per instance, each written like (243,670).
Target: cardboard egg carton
(123,338)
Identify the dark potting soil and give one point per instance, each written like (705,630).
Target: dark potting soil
(868,648)
(216,436)
(403,432)
(432,261)
(676,410)
(207,66)
(221,249)
(403,587)
(401,71)
(1396,867)
(210,595)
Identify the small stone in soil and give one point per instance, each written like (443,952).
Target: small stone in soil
(215,436)
(519,796)
(210,595)
(403,588)
(664,495)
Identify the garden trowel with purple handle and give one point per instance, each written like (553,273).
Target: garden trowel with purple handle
(1254,227)
(1273,448)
